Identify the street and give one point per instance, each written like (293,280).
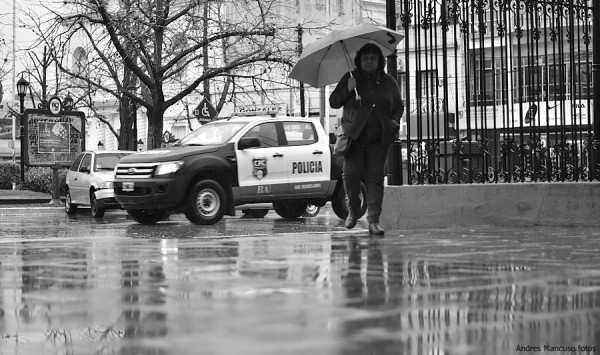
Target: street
(74,285)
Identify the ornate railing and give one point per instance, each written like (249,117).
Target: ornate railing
(496,91)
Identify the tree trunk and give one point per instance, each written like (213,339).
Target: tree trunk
(155,127)
(128,117)
(128,136)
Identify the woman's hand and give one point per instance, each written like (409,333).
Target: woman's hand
(351,84)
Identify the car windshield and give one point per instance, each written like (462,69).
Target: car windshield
(213,133)
(108,161)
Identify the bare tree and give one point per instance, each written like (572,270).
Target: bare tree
(153,54)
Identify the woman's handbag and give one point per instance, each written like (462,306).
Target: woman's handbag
(342,145)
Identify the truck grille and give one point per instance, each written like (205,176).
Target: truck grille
(135,170)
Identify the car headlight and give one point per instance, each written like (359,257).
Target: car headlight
(107,185)
(168,167)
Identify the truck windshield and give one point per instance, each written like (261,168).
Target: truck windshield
(212,133)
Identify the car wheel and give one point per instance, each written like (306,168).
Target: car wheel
(70,207)
(289,209)
(98,208)
(339,203)
(207,203)
(148,216)
(255,213)
(311,211)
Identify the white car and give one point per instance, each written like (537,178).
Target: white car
(90,181)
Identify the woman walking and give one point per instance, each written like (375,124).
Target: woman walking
(371,121)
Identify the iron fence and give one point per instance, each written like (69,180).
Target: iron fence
(495,91)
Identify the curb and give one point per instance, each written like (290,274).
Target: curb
(6,208)
(22,201)
(24,211)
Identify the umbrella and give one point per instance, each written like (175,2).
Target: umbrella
(326,60)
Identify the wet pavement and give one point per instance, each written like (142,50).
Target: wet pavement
(72,285)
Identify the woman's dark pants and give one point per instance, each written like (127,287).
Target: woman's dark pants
(365,163)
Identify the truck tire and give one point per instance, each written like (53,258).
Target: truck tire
(70,207)
(311,211)
(97,207)
(148,216)
(207,203)
(289,209)
(339,202)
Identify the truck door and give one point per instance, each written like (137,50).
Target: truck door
(309,158)
(262,171)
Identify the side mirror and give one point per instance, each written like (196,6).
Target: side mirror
(84,169)
(332,138)
(248,142)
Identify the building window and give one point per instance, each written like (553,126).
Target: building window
(582,79)
(428,91)
(426,83)
(489,83)
(320,5)
(80,61)
(402,84)
(556,83)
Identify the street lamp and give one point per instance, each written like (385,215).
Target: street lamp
(100,145)
(140,145)
(68,102)
(22,86)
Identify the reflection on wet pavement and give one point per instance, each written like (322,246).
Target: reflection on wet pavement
(122,288)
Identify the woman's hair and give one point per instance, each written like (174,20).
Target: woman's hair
(370,48)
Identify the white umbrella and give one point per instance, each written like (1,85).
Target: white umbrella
(326,60)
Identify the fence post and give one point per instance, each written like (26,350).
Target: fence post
(395,155)
(595,168)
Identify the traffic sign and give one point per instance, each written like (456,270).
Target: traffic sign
(205,112)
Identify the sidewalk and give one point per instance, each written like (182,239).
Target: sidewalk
(18,202)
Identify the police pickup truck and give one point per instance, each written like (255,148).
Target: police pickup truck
(286,161)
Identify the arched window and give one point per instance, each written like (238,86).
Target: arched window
(80,61)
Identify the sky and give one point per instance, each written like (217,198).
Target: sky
(23,40)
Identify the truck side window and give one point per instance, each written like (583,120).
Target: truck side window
(299,133)
(266,133)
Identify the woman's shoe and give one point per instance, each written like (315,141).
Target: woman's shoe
(350,221)
(375,228)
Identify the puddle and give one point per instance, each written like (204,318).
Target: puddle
(470,292)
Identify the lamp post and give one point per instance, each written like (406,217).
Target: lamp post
(595,163)
(22,86)
(140,145)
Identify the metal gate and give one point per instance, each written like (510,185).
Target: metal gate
(495,91)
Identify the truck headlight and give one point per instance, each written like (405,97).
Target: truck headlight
(106,185)
(168,167)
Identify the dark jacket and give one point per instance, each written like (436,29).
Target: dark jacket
(380,97)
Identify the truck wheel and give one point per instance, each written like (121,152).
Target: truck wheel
(148,216)
(70,207)
(255,213)
(339,202)
(289,209)
(207,203)
(97,207)
(311,211)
